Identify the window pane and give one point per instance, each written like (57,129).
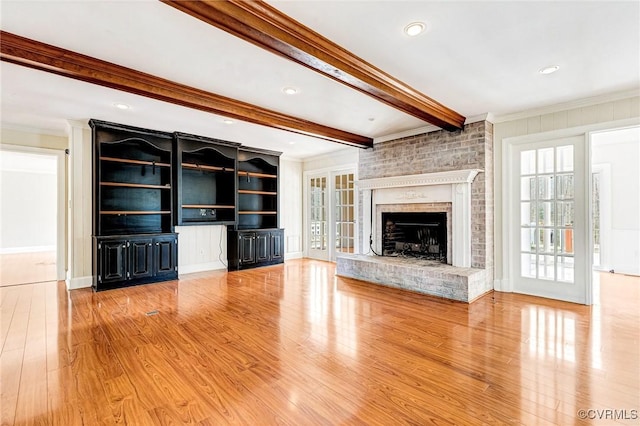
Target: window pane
(546,267)
(527,162)
(564,158)
(528,239)
(565,269)
(564,187)
(564,241)
(527,214)
(565,213)
(545,244)
(527,188)
(545,213)
(528,265)
(545,160)
(545,187)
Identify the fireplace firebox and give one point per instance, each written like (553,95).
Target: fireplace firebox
(419,235)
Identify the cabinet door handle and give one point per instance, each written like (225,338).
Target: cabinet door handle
(124,246)
(149,244)
(157,244)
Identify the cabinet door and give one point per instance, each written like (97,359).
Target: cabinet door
(140,258)
(113,261)
(166,256)
(263,247)
(247,248)
(277,245)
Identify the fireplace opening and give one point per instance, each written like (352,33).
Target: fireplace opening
(419,235)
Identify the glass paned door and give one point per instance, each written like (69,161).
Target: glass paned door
(317,223)
(547,213)
(549,217)
(344,213)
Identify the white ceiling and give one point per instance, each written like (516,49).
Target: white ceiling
(476,57)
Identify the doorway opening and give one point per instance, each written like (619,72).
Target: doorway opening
(615,205)
(30,222)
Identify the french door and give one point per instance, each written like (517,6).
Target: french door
(331,213)
(548,219)
(317,223)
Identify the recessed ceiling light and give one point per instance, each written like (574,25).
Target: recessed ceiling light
(227,121)
(372,118)
(290,90)
(550,69)
(121,105)
(414,28)
(292,142)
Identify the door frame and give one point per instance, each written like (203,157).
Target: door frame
(329,173)
(61,177)
(507,189)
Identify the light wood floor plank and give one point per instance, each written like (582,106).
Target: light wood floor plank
(293,345)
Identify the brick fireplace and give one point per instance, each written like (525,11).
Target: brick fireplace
(437,172)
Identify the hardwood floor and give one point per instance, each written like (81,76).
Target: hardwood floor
(21,268)
(292,344)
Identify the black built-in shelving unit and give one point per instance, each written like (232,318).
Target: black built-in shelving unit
(146,182)
(133,234)
(205,177)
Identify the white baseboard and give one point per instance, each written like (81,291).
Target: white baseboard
(79,282)
(33,249)
(200,267)
(294,255)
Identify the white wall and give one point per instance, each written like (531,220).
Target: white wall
(28,219)
(201,248)
(291,206)
(574,118)
(621,157)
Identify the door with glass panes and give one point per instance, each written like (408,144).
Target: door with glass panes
(548,225)
(317,218)
(330,215)
(344,221)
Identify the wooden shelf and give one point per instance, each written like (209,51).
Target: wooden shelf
(203,167)
(117,212)
(257,212)
(128,161)
(249,191)
(206,206)
(254,174)
(135,185)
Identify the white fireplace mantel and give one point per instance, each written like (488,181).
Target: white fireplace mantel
(426,179)
(442,187)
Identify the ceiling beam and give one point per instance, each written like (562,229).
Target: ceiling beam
(34,54)
(266,27)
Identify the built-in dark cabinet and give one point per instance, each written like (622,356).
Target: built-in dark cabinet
(257,189)
(206,180)
(133,198)
(256,239)
(253,248)
(128,260)
(146,182)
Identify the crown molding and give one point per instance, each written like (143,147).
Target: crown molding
(565,106)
